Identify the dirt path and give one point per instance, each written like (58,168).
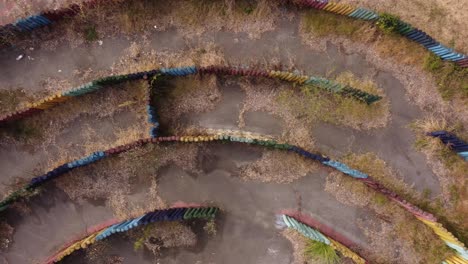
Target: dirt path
(250,206)
(392,143)
(53,220)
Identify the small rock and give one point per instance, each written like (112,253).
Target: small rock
(155,27)
(100,42)
(19,57)
(59,70)
(31,48)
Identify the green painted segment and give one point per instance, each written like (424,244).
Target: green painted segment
(307,231)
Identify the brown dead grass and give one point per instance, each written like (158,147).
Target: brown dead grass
(371,164)
(10,100)
(101,104)
(299,243)
(140,57)
(403,231)
(262,96)
(54,132)
(438,91)
(187,95)
(314,104)
(127,182)
(451,170)
(442,19)
(271,168)
(172,234)
(6,235)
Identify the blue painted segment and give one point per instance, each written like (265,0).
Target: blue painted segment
(345,169)
(456,144)
(86,160)
(181,71)
(32,22)
(305,230)
(463,252)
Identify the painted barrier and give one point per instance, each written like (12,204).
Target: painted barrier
(45,18)
(403,28)
(98,84)
(315,234)
(453,142)
(112,227)
(151,110)
(425,217)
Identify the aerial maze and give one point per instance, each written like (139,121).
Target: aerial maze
(302,223)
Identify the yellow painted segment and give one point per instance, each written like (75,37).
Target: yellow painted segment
(329,6)
(349,10)
(345,10)
(456,260)
(347,252)
(445,235)
(339,8)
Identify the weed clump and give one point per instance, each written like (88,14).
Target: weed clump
(210,227)
(388,23)
(327,253)
(90,33)
(451,79)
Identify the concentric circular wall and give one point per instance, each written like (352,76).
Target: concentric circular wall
(299,131)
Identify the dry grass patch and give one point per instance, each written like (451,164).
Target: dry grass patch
(10,99)
(321,23)
(378,169)
(396,46)
(450,210)
(271,167)
(451,79)
(315,104)
(174,97)
(299,243)
(6,235)
(406,236)
(127,182)
(452,171)
(156,236)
